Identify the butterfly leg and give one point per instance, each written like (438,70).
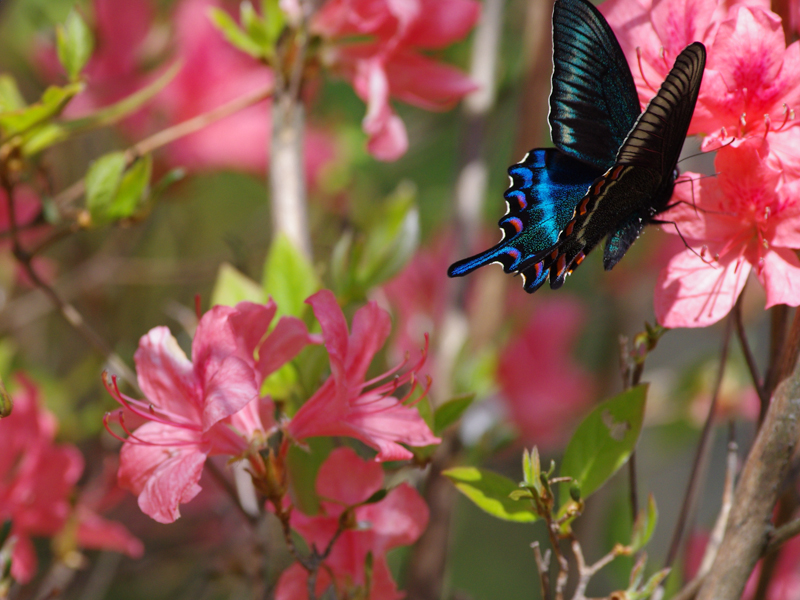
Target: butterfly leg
(683,239)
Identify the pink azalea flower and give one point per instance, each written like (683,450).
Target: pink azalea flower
(344,481)
(545,391)
(36,477)
(390,64)
(749,85)
(344,405)
(202,407)
(746,218)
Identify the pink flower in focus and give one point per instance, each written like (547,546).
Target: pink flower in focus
(343,405)
(546,392)
(390,63)
(202,407)
(345,481)
(36,477)
(746,218)
(749,85)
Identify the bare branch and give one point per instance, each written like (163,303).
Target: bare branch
(747,534)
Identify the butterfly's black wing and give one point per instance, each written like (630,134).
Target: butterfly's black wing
(545,187)
(593,102)
(621,202)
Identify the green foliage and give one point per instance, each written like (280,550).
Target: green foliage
(10,97)
(257,35)
(289,278)
(450,412)
(112,193)
(74,45)
(491,493)
(232,286)
(23,119)
(302,466)
(361,263)
(603,441)
(645,525)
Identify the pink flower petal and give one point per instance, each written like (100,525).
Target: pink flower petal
(165,375)
(425,83)
(442,23)
(780,276)
(282,345)
(23,559)
(228,390)
(334,329)
(398,520)
(691,293)
(95,532)
(363,479)
(371,328)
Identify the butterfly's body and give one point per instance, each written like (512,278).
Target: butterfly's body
(613,169)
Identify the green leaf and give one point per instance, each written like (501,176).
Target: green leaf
(645,525)
(274,19)
(102,181)
(289,278)
(603,441)
(10,96)
(238,38)
(491,493)
(376,497)
(74,44)
(450,412)
(133,189)
(52,103)
(233,286)
(41,137)
(114,113)
(254,26)
(392,240)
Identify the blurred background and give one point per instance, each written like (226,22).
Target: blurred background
(536,363)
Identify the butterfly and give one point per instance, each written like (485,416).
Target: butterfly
(613,168)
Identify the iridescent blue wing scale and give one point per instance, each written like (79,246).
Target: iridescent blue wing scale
(545,187)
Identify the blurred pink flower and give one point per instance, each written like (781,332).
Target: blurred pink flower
(345,481)
(343,405)
(784,583)
(202,407)
(545,390)
(390,63)
(747,217)
(116,68)
(419,300)
(36,477)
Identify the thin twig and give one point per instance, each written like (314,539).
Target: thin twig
(543,566)
(68,311)
(586,572)
(779,319)
(702,451)
(758,383)
(782,535)
(72,194)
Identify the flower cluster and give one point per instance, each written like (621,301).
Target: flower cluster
(37,480)
(747,219)
(359,530)
(211,405)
